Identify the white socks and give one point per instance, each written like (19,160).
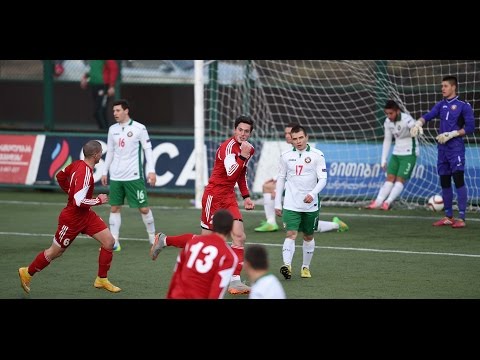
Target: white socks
(384,191)
(324,226)
(269,206)
(149,225)
(308,249)
(288,250)
(115,221)
(397,189)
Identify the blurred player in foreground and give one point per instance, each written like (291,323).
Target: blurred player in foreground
(264,284)
(205,265)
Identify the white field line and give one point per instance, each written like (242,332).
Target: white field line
(370,215)
(340,248)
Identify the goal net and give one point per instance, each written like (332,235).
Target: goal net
(341,105)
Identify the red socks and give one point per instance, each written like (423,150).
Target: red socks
(104,262)
(239,251)
(40,262)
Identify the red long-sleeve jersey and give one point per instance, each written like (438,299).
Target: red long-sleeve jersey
(77,181)
(229,168)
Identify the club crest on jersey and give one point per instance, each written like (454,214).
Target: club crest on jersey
(308,160)
(454,107)
(129,134)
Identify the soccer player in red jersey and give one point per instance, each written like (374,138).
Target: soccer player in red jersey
(206,263)
(230,168)
(78,217)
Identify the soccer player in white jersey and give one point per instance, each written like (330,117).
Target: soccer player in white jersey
(397,125)
(268,189)
(265,285)
(303,173)
(126,138)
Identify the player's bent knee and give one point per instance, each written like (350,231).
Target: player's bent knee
(144,210)
(108,246)
(238,239)
(105,238)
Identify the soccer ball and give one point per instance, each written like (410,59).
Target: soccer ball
(435,203)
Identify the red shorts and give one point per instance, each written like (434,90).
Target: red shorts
(69,227)
(211,203)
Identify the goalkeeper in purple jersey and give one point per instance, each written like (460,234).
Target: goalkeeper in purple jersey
(456,121)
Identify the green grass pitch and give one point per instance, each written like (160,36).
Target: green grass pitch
(385,255)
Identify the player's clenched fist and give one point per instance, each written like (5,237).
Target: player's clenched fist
(245,149)
(249,204)
(103,198)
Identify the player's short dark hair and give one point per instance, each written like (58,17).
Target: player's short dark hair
(390,104)
(297,129)
(91,148)
(257,257)
(452,80)
(291,125)
(222,222)
(244,119)
(122,102)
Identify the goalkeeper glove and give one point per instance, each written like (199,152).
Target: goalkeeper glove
(417,129)
(444,137)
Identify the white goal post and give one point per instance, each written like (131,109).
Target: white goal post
(199,133)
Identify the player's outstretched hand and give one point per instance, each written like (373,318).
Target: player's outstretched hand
(417,129)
